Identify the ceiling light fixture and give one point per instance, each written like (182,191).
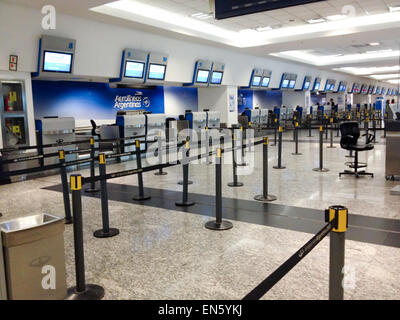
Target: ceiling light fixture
(385,76)
(336,17)
(319,20)
(394,9)
(262,29)
(367,71)
(374,44)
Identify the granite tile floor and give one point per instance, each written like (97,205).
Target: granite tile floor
(167,254)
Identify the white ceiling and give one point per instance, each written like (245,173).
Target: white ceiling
(318,43)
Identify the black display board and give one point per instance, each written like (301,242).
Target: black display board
(233,8)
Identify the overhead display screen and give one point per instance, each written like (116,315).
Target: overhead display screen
(134,69)
(265,82)
(285,83)
(156,71)
(256,81)
(307,85)
(202,76)
(216,77)
(57,62)
(317,85)
(233,8)
(292,84)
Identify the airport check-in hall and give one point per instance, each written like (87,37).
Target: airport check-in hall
(212,150)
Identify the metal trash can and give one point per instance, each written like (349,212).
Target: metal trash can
(34,258)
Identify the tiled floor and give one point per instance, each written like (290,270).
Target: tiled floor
(168,254)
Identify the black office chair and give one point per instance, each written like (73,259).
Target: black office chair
(350,133)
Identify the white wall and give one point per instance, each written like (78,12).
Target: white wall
(293,99)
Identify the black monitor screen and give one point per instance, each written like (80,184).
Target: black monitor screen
(57,62)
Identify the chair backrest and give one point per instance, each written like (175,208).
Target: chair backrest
(350,132)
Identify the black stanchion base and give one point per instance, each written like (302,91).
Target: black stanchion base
(92,292)
(223,225)
(162,173)
(277,167)
(349,156)
(184,204)
(331,147)
(321,170)
(238,184)
(181,182)
(90,190)
(138,198)
(268,198)
(356,174)
(296,154)
(66,221)
(101,234)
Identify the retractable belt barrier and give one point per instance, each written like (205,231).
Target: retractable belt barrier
(337,218)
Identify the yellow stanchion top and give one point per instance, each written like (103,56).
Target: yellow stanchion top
(234,137)
(276,120)
(250,123)
(280,129)
(187,144)
(92,141)
(321,128)
(206,128)
(342,214)
(61,154)
(76,182)
(219,153)
(266,140)
(159,133)
(331,120)
(241,128)
(137,144)
(296,124)
(102,158)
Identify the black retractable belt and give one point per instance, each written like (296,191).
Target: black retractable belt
(141,196)
(185,167)
(92,168)
(279,166)
(81,291)
(64,182)
(106,231)
(235,182)
(321,152)
(265,196)
(218,224)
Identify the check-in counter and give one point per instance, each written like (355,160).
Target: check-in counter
(213,119)
(392,167)
(154,123)
(132,125)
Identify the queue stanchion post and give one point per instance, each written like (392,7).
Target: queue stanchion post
(294,129)
(326,127)
(265,196)
(275,129)
(321,151)
(235,182)
(331,146)
(141,196)
(92,187)
(64,182)
(180,182)
(366,127)
(310,125)
(185,167)
(82,290)
(374,127)
(242,153)
(207,133)
(339,215)
(160,171)
(279,165)
(106,231)
(384,125)
(296,139)
(218,223)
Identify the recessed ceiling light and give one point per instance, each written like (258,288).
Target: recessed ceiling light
(336,17)
(373,44)
(319,20)
(385,76)
(261,29)
(394,9)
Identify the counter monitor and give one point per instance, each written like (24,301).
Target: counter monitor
(134,69)
(292,84)
(202,76)
(256,81)
(156,71)
(265,82)
(57,62)
(216,77)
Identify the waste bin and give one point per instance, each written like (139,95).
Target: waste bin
(34,258)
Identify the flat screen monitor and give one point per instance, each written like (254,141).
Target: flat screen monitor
(307,85)
(389,92)
(265,82)
(256,81)
(157,71)
(57,62)
(292,84)
(216,77)
(134,69)
(317,85)
(202,76)
(285,83)
(383,90)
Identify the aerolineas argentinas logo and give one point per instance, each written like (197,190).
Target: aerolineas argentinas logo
(129,101)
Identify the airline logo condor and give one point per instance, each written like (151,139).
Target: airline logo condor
(136,101)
